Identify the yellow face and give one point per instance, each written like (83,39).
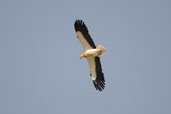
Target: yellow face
(82,56)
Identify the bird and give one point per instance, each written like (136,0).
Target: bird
(92,54)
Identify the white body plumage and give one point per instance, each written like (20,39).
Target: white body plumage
(100,51)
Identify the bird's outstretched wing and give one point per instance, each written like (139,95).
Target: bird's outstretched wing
(96,73)
(83,35)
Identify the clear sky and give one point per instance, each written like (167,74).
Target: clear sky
(40,69)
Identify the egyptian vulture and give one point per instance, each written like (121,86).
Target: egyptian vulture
(92,53)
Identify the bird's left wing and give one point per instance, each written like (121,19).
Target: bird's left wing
(83,35)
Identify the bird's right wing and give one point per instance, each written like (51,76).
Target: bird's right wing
(96,73)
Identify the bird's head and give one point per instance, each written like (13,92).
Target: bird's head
(82,56)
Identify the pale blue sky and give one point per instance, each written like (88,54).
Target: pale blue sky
(40,69)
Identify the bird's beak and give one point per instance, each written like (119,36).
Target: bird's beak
(82,56)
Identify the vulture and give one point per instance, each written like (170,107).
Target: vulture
(92,54)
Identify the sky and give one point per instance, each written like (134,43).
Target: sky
(40,67)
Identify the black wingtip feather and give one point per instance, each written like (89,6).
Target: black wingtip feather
(99,84)
(80,26)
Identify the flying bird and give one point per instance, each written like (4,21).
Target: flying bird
(92,54)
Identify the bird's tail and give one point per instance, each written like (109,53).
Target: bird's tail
(101,51)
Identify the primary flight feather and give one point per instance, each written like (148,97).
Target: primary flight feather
(92,53)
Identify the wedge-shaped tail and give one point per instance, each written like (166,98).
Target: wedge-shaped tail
(101,51)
